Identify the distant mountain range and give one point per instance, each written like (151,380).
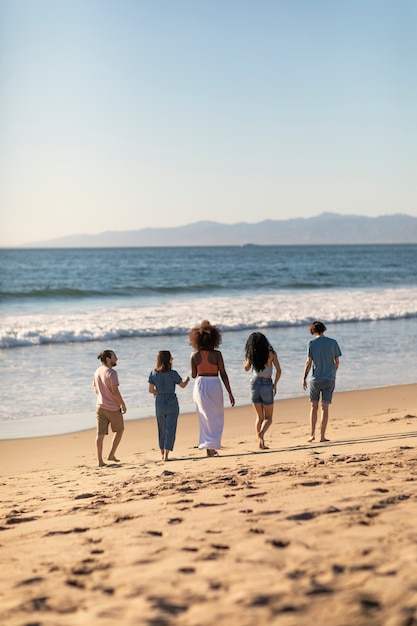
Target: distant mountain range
(327,228)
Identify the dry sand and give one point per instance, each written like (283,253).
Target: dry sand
(297,534)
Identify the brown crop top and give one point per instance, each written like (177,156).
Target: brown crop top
(205,368)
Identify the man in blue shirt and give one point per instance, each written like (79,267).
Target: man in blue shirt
(323,355)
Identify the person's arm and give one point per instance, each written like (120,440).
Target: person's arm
(184,382)
(247,365)
(224,376)
(336,362)
(193,366)
(118,397)
(277,366)
(306,371)
(152,389)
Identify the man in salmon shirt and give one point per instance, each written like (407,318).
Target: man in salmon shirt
(110,404)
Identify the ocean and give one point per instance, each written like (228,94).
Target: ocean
(60,307)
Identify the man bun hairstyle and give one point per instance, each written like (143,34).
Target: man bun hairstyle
(106,354)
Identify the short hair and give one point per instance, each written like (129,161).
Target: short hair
(163,361)
(317,328)
(205,336)
(106,354)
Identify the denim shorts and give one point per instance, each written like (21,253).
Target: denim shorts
(262,391)
(323,387)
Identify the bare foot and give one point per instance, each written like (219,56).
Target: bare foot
(212,453)
(102,464)
(310,439)
(113,458)
(324,439)
(262,445)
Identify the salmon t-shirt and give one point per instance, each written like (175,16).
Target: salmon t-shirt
(104,379)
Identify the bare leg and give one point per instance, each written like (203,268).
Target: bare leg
(99,446)
(116,440)
(268,411)
(324,420)
(263,422)
(313,420)
(166,454)
(259,410)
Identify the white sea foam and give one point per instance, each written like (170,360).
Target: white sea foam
(176,316)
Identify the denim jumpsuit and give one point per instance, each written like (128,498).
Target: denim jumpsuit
(166,406)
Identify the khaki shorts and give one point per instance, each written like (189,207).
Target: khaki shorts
(106,417)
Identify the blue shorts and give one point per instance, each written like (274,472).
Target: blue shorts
(323,387)
(262,391)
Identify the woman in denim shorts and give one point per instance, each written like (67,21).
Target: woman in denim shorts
(262,358)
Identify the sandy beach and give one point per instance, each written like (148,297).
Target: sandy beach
(301,533)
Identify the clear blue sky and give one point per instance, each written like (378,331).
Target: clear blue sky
(125,114)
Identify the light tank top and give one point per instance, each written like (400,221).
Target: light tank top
(265,373)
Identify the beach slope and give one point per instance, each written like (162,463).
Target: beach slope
(299,533)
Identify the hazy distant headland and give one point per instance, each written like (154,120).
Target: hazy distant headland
(327,228)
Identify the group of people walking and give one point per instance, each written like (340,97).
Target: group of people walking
(208,369)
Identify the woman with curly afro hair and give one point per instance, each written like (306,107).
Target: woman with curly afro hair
(261,357)
(206,365)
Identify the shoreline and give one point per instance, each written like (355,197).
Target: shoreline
(291,416)
(56,424)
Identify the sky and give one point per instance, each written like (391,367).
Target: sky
(128,114)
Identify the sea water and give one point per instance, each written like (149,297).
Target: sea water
(60,307)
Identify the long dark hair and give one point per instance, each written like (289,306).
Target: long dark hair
(205,336)
(257,351)
(163,361)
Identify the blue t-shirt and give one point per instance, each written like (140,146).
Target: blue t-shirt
(164,381)
(323,351)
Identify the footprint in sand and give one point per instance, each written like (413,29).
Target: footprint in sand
(307,515)
(313,483)
(187,570)
(382,504)
(190,549)
(51,533)
(218,546)
(20,520)
(256,495)
(279,543)
(30,581)
(123,518)
(81,496)
(73,582)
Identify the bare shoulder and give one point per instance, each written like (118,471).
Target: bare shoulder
(196,356)
(272,357)
(214,356)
